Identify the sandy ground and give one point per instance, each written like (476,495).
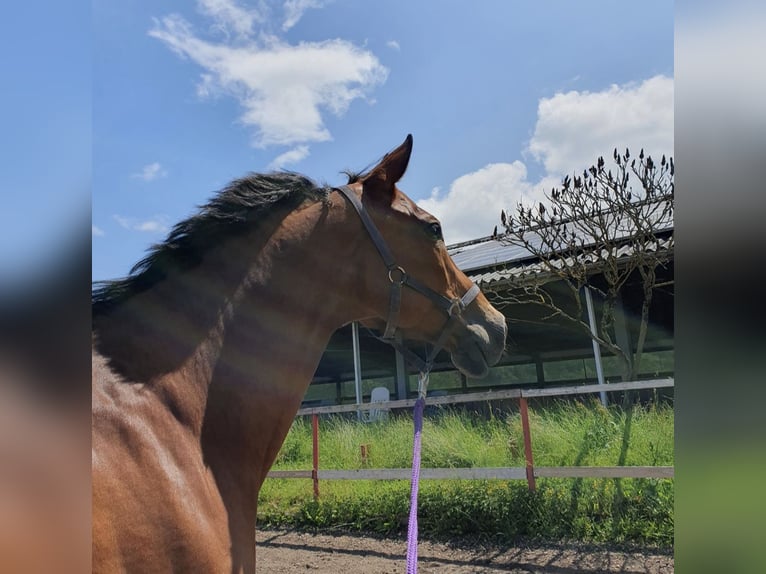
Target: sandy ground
(280,552)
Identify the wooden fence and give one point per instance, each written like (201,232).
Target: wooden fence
(529,472)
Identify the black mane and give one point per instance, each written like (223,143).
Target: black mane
(233,210)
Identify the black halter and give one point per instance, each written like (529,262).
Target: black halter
(399,277)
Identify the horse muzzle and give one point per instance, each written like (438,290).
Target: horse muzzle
(480,344)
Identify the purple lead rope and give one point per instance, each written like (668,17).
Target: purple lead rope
(412,528)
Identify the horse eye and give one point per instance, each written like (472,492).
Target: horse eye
(436,230)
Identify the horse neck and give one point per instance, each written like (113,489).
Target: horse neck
(254,316)
(299,291)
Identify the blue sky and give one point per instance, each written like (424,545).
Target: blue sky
(502,99)
(45,133)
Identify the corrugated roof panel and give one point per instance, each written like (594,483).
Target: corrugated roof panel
(486,254)
(493,251)
(511,271)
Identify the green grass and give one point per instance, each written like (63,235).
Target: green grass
(633,511)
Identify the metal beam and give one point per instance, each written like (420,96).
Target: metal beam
(357,366)
(401,372)
(491,396)
(596,347)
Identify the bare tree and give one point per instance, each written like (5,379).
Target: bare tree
(595,231)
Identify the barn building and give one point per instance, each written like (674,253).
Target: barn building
(539,353)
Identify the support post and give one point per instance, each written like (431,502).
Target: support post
(530,467)
(315,453)
(596,347)
(357,366)
(401,372)
(539,370)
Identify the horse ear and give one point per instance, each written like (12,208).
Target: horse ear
(383,177)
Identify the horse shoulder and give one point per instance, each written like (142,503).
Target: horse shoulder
(154,500)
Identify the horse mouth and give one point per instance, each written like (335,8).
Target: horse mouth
(471,361)
(479,349)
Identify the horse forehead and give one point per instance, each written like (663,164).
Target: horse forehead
(404,204)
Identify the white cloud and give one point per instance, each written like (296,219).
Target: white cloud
(294,10)
(151,226)
(292,156)
(394,45)
(157,224)
(151,172)
(96,231)
(571,131)
(283,89)
(471,207)
(229,17)
(123,221)
(574,128)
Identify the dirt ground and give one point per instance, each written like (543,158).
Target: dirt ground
(281,552)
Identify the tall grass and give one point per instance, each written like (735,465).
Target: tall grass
(594,510)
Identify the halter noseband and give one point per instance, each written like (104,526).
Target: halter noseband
(399,277)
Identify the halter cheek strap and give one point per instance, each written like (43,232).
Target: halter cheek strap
(398,277)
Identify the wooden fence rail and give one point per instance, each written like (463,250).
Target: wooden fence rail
(500,473)
(528,472)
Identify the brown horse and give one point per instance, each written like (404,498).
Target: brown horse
(203,354)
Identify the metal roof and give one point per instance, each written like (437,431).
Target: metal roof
(491,259)
(491,252)
(516,268)
(486,252)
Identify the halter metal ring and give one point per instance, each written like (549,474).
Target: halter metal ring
(455,308)
(402,275)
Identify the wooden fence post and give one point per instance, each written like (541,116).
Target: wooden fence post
(315,453)
(527,443)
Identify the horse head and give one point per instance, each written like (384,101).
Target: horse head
(420,292)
